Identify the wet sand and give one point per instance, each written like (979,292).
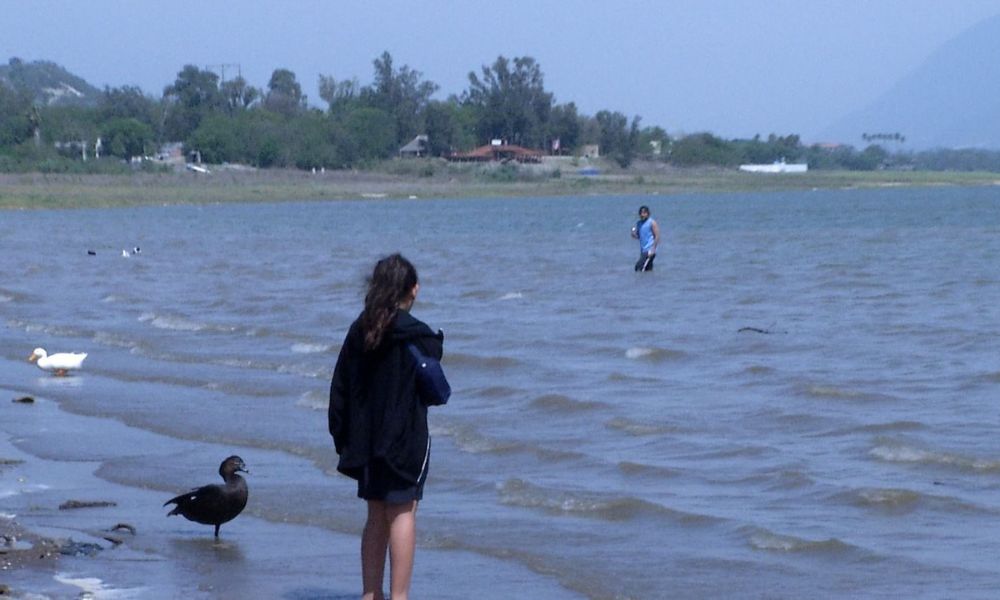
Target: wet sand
(50,457)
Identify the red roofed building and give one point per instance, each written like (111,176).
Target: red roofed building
(498,152)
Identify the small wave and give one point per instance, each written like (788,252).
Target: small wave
(558,402)
(652,354)
(638,428)
(11,296)
(896,500)
(789,479)
(762,539)
(484,362)
(118,299)
(993,377)
(495,391)
(893,426)
(24,489)
(53,330)
(93,587)
(469,440)
(643,470)
(172,323)
(625,377)
(515,492)
(827,392)
(889,427)
(306,348)
(107,338)
(314,400)
(903,453)
(512,296)
(478,295)
(758,370)
(304,370)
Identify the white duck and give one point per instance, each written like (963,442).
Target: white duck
(60,363)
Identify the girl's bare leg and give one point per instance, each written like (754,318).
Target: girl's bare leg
(402,522)
(374,542)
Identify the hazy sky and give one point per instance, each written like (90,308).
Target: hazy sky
(732,67)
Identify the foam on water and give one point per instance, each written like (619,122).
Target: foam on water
(171,322)
(652,354)
(894,452)
(762,539)
(888,498)
(310,348)
(314,400)
(92,587)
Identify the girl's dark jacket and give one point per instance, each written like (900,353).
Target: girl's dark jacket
(374,409)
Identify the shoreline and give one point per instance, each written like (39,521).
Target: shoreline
(68,528)
(402,180)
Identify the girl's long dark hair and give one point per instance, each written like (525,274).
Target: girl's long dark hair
(392,280)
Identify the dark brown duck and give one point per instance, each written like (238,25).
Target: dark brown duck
(215,504)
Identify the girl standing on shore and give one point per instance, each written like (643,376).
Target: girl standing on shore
(379,424)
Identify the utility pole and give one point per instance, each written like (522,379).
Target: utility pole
(222,70)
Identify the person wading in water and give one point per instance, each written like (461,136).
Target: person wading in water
(647,231)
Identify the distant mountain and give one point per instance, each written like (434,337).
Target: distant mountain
(951,101)
(47,83)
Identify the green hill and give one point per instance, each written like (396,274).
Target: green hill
(47,83)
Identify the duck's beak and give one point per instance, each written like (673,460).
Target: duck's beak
(33,358)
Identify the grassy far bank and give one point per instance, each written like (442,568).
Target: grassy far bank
(432,179)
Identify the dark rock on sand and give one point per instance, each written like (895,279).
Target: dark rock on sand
(125,526)
(215,504)
(115,539)
(24,400)
(74,548)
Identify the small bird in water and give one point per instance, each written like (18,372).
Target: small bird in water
(215,504)
(59,363)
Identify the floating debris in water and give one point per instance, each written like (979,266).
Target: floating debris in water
(24,400)
(758,330)
(74,504)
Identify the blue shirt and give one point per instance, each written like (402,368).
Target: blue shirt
(645,231)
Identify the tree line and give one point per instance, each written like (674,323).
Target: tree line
(230,120)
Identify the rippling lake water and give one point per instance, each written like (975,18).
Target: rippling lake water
(800,401)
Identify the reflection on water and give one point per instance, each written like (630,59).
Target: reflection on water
(49,382)
(208,549)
